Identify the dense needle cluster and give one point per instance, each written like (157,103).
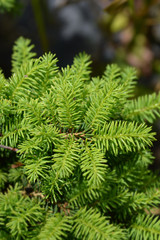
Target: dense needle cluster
(75,152)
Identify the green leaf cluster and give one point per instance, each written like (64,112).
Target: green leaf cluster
(7,5)
(75,152)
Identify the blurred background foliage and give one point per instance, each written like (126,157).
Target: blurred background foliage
(121,31)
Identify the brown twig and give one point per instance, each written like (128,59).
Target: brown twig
(78,135)
(9,148)
(64,208)
(17,164)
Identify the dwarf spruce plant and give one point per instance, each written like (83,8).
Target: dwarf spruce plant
(75,152)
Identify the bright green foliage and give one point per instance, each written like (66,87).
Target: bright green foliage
(19,214)
(123,136)
(93,165)
(6,5)
(3,179)
(145,227)
(56,227)
(65,158)
(21,53)
(90,225)
(3,83)
(145,108)
(75,152)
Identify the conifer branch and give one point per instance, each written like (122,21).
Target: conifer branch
(144,108)
(145,227)
(9,148)
(21,53)
(84,147)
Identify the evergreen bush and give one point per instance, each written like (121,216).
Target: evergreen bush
(75,152)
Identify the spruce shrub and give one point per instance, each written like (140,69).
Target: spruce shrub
(75,152)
